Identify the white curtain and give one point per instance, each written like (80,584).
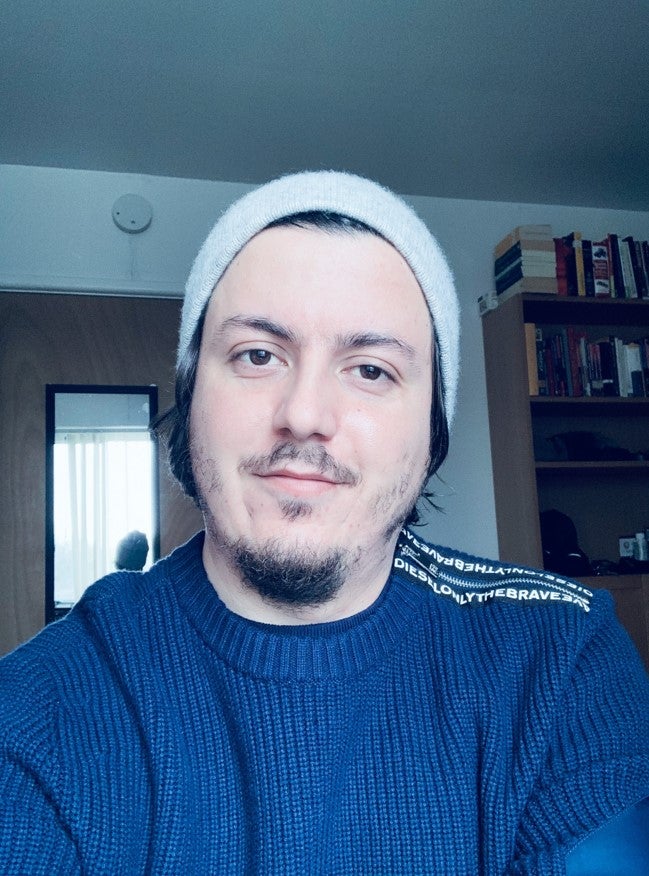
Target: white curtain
(102,491)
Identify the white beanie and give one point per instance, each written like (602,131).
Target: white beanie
(351,196)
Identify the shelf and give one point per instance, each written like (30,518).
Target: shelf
(596,405)
(615,582)
(603,498)
(585,311)
(592,465)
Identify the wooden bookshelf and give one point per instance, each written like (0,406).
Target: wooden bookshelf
(604,498)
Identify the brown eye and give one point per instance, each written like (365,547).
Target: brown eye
(370,372)
(259,357)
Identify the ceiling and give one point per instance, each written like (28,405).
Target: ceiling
(542,102)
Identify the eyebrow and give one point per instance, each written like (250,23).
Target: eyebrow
(261,324)
(374,339)
(352,341)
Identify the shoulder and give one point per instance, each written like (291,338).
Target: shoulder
(478,582)
(68,660)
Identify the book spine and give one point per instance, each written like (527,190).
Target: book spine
(608,369)
(560,366)
(595,369)
(507,259)
(623,379)
(601,270)
(644,247)
(634,369)
(644,357)
(532,234)
(635,257)
(540,362)
(577,386)
(560,266)
(589,277)
(584,364)
(504,281)
(615,266)
(549,367)
(627,269)
(571,265)
(642,274)
(580,280)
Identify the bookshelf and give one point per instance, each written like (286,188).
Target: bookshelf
(605,498)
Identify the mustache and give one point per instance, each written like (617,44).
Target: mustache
(314,456)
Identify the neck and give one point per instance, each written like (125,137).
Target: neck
(362,585)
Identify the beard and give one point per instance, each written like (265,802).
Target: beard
(294,575)
(290,577)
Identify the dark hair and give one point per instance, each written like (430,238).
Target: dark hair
(173,425)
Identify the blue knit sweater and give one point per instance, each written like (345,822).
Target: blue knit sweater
(476,719)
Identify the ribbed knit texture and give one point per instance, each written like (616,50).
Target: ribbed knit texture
(153,731)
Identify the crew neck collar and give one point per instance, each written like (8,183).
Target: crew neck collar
(300,653)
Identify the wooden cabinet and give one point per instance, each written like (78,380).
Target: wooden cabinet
(605,499)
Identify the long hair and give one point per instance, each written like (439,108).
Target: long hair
(173,426)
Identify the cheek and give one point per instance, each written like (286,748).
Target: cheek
(393,440)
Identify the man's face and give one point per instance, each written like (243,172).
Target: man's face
(310,416)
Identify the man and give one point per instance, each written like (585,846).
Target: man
(307,687)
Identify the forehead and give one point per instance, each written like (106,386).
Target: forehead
(324,280)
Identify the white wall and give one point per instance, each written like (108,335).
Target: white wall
(57,233)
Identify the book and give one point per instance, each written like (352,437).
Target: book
(628,277)
(594,369)
(644,246)
(584,364)
(634,370)
(528,233)
(643,279)
(644,358)
(623,374)
(580,280)
(571,263)
(601,270)
(529,252)
(566,265)
(540,281)
(528,268)
(560,255)
(635,258)
(574,337)
(540,362)
(608,368)
(589,278)
(616,278)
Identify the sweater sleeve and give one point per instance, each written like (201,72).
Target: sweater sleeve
(597,763)
(33,838)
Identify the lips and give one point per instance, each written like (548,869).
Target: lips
(299,483)
(294,463)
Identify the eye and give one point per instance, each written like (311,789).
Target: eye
(257,357)
(372,372)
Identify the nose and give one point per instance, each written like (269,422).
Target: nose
(307,406)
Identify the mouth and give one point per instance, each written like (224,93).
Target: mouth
(304,484)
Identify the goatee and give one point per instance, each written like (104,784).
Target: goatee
(290,577)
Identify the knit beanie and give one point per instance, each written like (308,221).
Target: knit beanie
(351,196)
